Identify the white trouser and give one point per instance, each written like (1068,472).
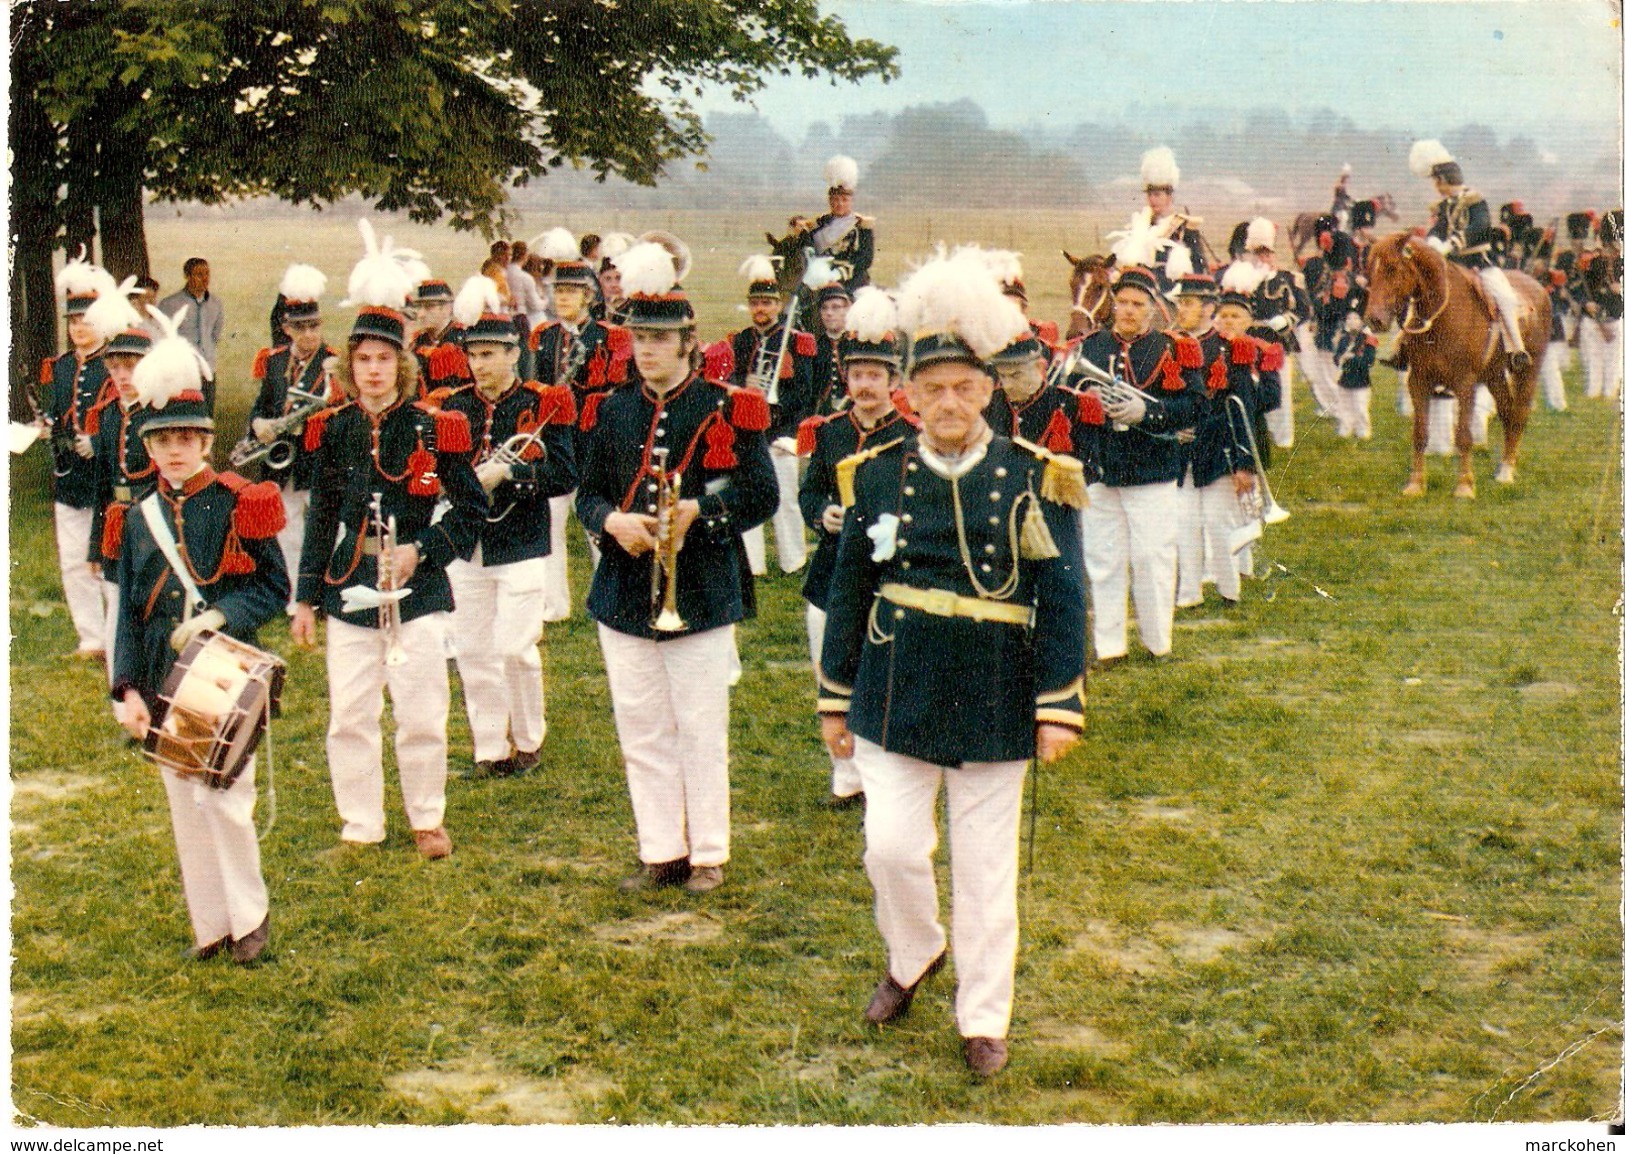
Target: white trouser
(900,839)
(844,780)
(110,627)
(671,715)
(1483,406)
(1441,426)
(292,537)
(420,695)
(1355,413)
(81,588)
(1206,517)
(1318,369)
(1279,419)
(1599,356)
(789,531)
(1507,301)
(556,565)
(1130,534)
(1551,376)
(498,624)
(219,855)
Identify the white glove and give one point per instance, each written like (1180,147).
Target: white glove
(834,517)
(492,474)
(359,597)
(186,630)
(786,446)
(1439,246)
(1129,410)
(264,429)
(1353,323)
(1280,322)
(84,446)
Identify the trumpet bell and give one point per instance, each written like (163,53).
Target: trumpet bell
(1274,514)
(1244,535)
(669,622)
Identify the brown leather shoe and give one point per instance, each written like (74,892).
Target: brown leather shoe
(204,953)
(837,802)
(892,999)
(703,879)
(248,947)
(986,1056)
(658,875)
(433,844)
(521,763)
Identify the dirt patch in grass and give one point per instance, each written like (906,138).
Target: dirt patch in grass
(1336,507)
(30,1009)
(1548,691)
(485,1092)
(1163,946)
(1075,1036)
(682,929)
(1255,649)
(1153,810)
(50,785)
(1434,737)
(1485,955)
(1200,622)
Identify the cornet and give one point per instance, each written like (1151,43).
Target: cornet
(664,617)
(511,453)
(278,451)
(389,610)
(1114,390)
(1258,505)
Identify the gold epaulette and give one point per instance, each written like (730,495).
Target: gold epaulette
(846,471)
(1063,476)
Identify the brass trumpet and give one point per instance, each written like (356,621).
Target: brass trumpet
(1259,504)
(664,617)
(389,611)
(278,452)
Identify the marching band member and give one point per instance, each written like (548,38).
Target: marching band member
(122,468)
(300,366)
(587,356)
(669,671)
(1555,282)
(501,592)
(1461,233)
(756,350)
(954,651)
(76,390)
(611,303)
(870,358)
(1237,296)
(1356,352)
(833,301)
(1026,402)
(382,463)
(198,553)
(1330,281)
(1160,175)
(1600,269)
(1130,525)
(437,339)
(1280,308)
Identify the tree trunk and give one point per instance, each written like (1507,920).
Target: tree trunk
(32,230)
(122,217)
(79,205)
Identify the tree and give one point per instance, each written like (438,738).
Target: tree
(434,107)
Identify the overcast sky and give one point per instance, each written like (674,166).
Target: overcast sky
(1420,66)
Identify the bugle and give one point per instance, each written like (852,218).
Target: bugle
(1258,504)
(664,617)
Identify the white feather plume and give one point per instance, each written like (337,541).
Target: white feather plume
(959,293)
(1179,262)
(647,269)
(1242,276)
(1260,234)
(378,278)
(556,244)
(417,270)
(303,282)
(1347,170)
(757,267)
(81,278)
(613,244)
(1425,154)
(111,312)
(1138,244)
(872,315)
(820,273)
(1001,262)
(478,296)
(841,172)
(172,366)
(1157,168)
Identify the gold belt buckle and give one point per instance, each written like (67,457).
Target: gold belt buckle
(940,602)
(122,493)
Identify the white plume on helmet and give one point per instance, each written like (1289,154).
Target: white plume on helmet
(1138,244)
(1242,277)
(303,282)
(757,267)
(841,172)
(172,366)
(1001,262)
(960,294)
(613,244)
(80,278)
(873,315)
(647,270)
(1157,168)
(820,273)
(111,312)
(1179,263)
(478,296)
(417,270)
(556,244)
(1428,154)
(379,278)
(1260,234)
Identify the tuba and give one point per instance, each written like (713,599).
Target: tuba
(1259,505)
(664,617)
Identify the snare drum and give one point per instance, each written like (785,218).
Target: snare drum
(213,708)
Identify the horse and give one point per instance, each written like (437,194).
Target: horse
(1302,234)
(790,253)
(1450,339)
(1091,287)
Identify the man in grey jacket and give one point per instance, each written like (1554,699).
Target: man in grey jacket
(205,315)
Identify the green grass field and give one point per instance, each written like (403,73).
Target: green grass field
(1353,854)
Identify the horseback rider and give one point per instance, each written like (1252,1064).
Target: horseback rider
(1461,233)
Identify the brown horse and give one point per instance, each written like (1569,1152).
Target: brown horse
(1091,288)
(1450,340)
(1302,232)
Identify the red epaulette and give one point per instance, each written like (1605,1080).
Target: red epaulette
(93,419)
(1048,332)
(262,360)
(1559,278)
(1270,357)
(535,341)
(1057,436)
(807,435)
(1090,410)
(447,360)
(1188,352)
(589,410)
(747,409)
(1172,382)
(619,340)
(719,446)
(719,361)
(113,530)
(47,370)
(555,402)
(1372,339)
(1585,260)
(258,513)
(451,432)
(806,345)
(899,400)
(315,425)
(1217,378)
(1243,351)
